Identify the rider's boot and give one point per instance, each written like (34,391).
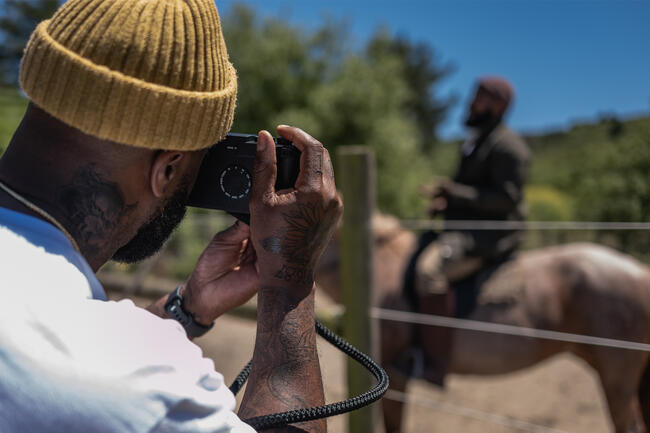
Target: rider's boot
(436,341)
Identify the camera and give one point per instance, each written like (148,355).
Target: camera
(225,178)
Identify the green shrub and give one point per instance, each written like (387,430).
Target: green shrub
(546,203)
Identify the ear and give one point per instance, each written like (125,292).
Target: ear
(502,108)
(165,168)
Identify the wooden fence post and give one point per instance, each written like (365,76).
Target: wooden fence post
(356,171)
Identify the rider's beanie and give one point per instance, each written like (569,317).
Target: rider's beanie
(498,87)
(147,73)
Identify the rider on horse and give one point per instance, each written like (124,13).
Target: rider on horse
(488,186)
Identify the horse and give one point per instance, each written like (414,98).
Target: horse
(579,288)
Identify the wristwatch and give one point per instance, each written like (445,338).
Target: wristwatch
(174,307)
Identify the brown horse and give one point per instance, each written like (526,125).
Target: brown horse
(577,288)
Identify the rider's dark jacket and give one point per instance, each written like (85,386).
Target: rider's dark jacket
(489,185)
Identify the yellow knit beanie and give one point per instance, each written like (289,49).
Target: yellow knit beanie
(147,73)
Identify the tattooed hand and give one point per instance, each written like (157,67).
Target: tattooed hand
(291,228)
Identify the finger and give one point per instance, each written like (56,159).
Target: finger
(311,158)
(265,170)
(224,250)
(236,233)
(328,169)
(248,255)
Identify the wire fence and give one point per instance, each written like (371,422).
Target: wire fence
(497,328)
(423,224)
(439,224)
(439,404)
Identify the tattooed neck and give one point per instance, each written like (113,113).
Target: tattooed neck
(94,210)
(91,207)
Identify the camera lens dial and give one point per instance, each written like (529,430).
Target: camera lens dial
(235,182)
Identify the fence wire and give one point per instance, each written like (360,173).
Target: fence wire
(467,412)
(497,328)
(426,224)
(438,224)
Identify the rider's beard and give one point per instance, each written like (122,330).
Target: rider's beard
(481,120)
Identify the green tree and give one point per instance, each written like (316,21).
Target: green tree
(422,72)
(278,65)
(308,78)
(18,18)
(363,104)
(604,168)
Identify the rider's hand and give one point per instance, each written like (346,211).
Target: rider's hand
(291,228)
(225,276)
(443,188)
(438,205)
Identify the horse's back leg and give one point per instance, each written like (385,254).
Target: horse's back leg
(644,395)
(396,341)
(621,373)
(393,408)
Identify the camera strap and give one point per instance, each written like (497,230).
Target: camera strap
(309,414)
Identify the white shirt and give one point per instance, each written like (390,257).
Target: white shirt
(70,361)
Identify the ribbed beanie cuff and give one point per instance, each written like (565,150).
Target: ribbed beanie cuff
(109,104)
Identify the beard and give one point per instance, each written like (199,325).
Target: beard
(480,120)
(152,235)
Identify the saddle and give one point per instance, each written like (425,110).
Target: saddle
(466,290)
(430,360)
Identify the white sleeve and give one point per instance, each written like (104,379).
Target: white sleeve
(110,367)
(193,397)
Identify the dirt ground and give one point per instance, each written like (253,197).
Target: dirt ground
(561,394)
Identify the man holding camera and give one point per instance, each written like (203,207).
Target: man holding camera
(489,185)
(125,98)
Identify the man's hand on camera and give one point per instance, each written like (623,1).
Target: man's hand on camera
(291,228)
(225,276)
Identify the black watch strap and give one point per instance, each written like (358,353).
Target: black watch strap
(174,307)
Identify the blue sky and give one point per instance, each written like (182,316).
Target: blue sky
(570,60)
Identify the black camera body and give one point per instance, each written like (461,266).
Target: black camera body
(225,178)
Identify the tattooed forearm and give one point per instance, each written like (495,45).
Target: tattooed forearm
(285,373)
(295,349)
(292,274)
